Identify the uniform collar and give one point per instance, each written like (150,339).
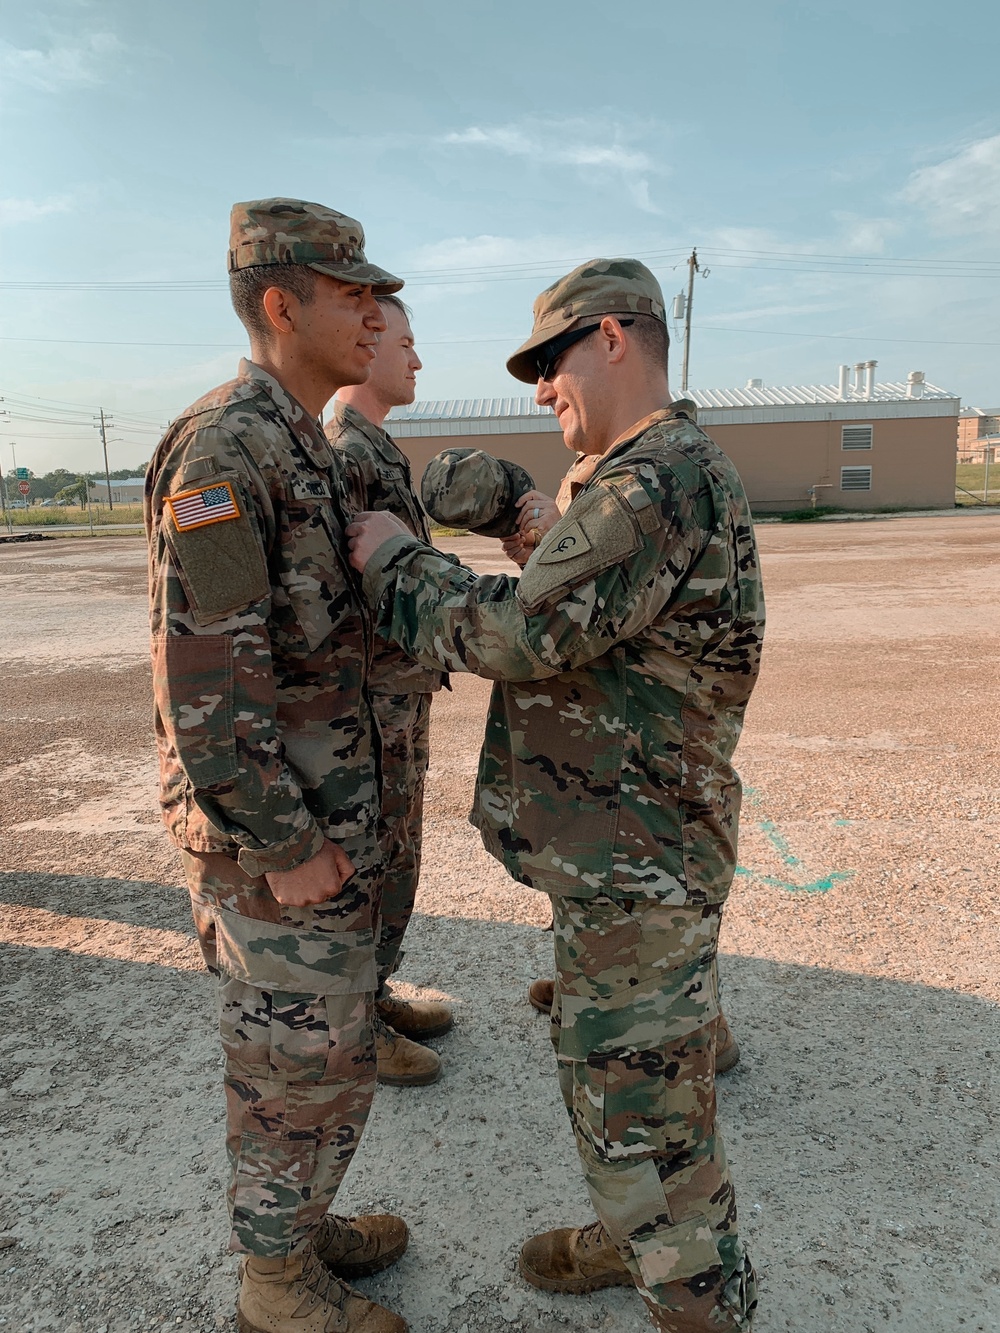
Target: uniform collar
(679,408)
(306,429)
(346,415)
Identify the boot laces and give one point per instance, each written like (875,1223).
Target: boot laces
(317,1279)
(593,1236)
(384,1031)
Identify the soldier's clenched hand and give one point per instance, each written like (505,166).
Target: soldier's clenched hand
(314,881)
(367,533)
(539,513)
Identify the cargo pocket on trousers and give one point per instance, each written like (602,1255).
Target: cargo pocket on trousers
(268,1184)
(295,1004)
(671,1254)
(619,1105)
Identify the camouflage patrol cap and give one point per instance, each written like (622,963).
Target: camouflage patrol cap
(599,287)
(291,231)
(469,488)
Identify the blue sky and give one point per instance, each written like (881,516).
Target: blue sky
(807,151)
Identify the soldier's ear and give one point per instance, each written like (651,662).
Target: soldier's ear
(278,310)
(613,337)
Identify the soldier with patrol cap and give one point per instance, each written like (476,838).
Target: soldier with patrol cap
(377,476)
(624,656)
(268,758)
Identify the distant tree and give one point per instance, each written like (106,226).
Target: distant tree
(77,490)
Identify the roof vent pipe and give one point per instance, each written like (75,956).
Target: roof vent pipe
(842,385)
(915,384)
(870,378)
(859,383)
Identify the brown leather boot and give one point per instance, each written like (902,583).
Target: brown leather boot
(541,993)
(573,1261)
(403,1063)
(355,1247)
(727,1048)
(300,1295)
(417,1019)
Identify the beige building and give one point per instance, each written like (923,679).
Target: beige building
(854,445)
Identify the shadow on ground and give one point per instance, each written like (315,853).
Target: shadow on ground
(860,1125)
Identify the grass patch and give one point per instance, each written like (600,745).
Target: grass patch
(807,515)
(38,517)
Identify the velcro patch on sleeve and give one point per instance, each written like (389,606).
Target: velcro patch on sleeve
(219,560)
(572,541)
(208,504)
(605,532)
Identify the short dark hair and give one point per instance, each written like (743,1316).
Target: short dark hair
(654,340)
(248,285)
(391,299)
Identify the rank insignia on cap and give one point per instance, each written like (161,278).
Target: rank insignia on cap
(208,504)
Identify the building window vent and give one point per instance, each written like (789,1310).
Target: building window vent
(856,437)
(856,478)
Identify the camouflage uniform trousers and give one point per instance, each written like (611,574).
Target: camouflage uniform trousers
(633,1031)
(296,988)
(404,721)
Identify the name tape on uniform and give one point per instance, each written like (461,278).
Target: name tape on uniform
(208,504)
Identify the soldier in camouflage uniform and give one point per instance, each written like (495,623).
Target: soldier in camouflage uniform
(624,657)
(268,758)
(537,513)
(377,476)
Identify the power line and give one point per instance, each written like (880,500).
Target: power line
(462,275)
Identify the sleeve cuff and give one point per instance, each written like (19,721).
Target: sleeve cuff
(294,851)
(378,575)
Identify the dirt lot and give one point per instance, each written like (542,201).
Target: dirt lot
(860,965)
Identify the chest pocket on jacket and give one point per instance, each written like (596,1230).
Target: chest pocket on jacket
(315,580)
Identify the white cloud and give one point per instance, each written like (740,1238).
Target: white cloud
(961,193)
(30,210)
(65,66)
(573,143)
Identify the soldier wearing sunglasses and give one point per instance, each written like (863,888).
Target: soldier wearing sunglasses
(608,781)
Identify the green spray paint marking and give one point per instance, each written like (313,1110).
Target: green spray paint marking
(780,844)
(821,885)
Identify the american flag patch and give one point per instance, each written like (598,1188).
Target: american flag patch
(196,509)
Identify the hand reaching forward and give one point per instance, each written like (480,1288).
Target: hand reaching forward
(367,533)
(314,881)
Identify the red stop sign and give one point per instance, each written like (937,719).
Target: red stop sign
(24,487)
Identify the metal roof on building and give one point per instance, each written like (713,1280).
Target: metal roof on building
(476,409)
(716,407)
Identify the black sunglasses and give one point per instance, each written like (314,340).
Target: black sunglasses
(549,353)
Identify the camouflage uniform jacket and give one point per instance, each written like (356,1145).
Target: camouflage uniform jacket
(260,638)
(624,654)
(376,475)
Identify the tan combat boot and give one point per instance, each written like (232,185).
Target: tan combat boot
(417,1019)
(541,993)
(354,1247)
(401,1062)
(727,1048)
(573,1260)
(300,1295)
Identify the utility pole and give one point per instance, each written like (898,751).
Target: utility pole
(693,268)
(105,422)
(987,459)
(3,499)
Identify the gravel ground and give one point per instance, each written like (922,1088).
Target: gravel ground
(860,952)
